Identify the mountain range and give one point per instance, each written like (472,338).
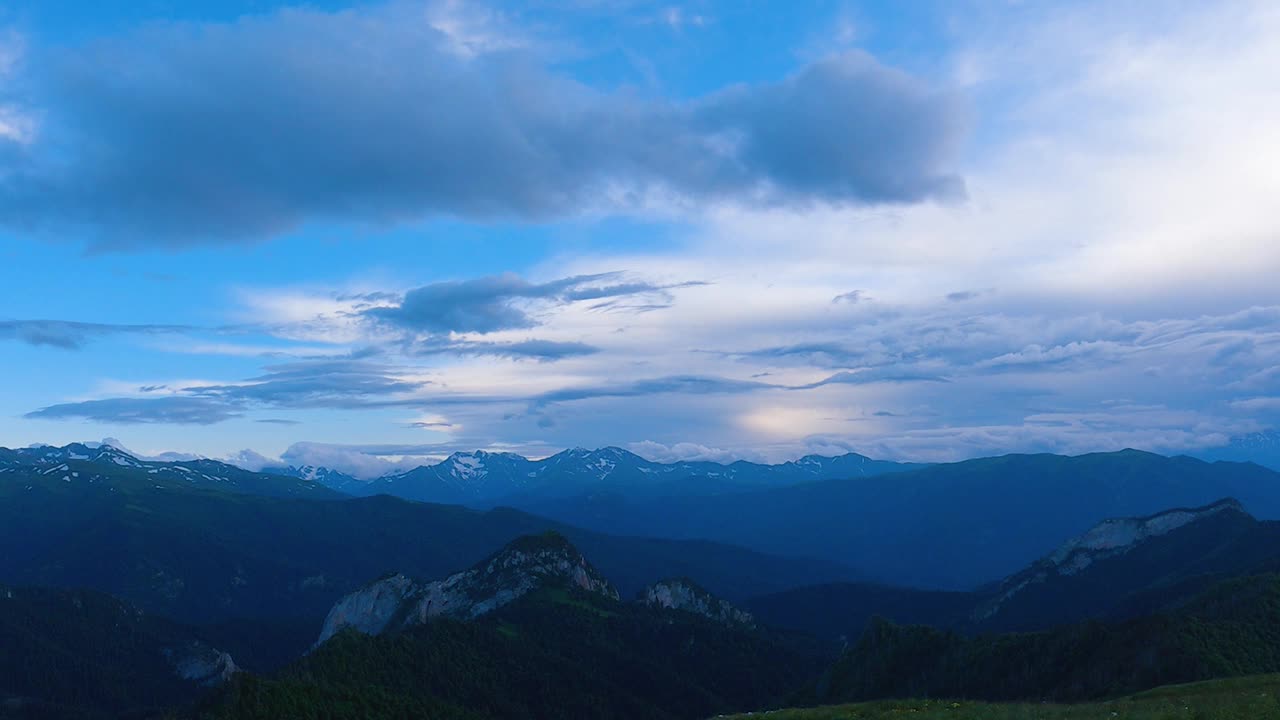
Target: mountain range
(268,562)
(540,600)
(952,526)
(80,463)
(493,478)
(188,571)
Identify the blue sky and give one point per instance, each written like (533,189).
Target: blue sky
(366,233)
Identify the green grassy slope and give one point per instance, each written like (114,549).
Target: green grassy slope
(1248,698)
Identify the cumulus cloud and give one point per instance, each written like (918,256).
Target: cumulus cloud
(180,134)
(252,460)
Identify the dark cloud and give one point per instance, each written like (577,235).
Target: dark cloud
(498,302)
(181,134)
(166,410)
(852,297)
(962,295)
(278,421)
(70,335)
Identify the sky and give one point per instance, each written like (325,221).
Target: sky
(364,234)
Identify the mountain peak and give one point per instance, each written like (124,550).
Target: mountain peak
(524,565)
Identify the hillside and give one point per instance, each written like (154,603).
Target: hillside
(1229,630)
(1128,567)
(1245,698)
(79,654)
(1119,568)
(532,631)
(953,526)
(237,560)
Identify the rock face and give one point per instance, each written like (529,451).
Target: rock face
(1113,537)
(202,664)
(1107,539)
(523,566)
(684,594)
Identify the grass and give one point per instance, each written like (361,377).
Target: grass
(1248,698)
(561,596)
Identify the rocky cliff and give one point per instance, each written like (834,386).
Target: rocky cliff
(1108,539)
(524,565)
(683,594)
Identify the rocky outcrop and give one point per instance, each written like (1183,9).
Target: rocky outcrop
(683,594)
(202,664)
(1113,537)
(523,566)
(1107,539)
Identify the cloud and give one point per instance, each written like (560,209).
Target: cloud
(489,304)
(133,411)
(540,350)
(252,460)
(364,462)
(179,134)
(70,335)
(342,384)
(887,374)
(677,384)
(677,452)
(820,354)
(323,383)
(157,457)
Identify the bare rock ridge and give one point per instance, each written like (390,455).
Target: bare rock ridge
(202,664)
(524,565)
(1107,539)
(684,594)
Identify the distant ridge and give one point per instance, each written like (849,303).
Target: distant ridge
(488,478)
(104,464)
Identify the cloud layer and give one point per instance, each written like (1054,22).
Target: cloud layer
(182,134)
